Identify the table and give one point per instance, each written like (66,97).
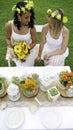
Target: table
(8,72)
(31,119)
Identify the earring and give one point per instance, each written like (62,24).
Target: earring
(19,19)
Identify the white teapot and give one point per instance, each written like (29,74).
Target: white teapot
(13,92)
(45,83)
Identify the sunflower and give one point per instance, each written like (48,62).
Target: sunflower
(22,50)
(17,49)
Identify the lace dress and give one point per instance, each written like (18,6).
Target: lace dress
(53,45)
(15,38)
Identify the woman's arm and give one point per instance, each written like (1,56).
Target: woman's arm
(63,47)
(8,34)
(43,40)
(33,37)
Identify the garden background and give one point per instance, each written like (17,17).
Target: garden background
(40,18)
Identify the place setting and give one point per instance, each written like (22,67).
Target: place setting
(50,118)
(14,118)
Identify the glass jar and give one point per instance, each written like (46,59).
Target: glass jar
(30,92)
(13,92)
(1,88)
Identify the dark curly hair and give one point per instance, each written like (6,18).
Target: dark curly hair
(16,20)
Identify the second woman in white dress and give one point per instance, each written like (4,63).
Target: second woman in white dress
(54,39)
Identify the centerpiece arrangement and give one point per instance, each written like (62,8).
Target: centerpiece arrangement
(30,85)
(65,84)
(22,50)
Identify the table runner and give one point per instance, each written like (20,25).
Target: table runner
(42,97)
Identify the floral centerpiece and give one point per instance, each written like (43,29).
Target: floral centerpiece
(3,86)
(66,78)
(66,83)
(22,51)
(30,85)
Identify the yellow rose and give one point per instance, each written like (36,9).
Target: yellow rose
(49,11)
(53,14)
(58,17)
(23,10)
(65,19)
(18,10)
(31,3)
(13,8)
(28,6)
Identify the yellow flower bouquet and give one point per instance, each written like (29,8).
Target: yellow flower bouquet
(22,51)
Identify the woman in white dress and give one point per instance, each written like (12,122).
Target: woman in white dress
(54,39)
(21,29)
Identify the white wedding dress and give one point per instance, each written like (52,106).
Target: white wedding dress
(15,38)
(53,45)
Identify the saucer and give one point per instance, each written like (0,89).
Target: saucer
(14,118)
(50,118)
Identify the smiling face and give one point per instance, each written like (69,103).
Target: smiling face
(25,18)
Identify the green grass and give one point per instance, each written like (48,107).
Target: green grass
(40,10)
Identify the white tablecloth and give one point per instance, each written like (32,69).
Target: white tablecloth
(32,120)
(8,72)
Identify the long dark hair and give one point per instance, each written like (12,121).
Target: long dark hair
(16,20)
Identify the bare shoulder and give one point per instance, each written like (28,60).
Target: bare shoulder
(32,30)
(45,28)
(8,24)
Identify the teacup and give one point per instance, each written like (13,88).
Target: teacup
(45,83)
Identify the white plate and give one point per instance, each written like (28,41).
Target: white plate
(14,118)
(50,118)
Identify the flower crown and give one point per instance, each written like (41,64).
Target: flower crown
(52,14)
(29,5)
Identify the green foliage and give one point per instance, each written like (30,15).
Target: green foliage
(15,80)
(39,63)
(53,92)
(41,7)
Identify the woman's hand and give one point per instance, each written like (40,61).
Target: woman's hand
(38,58)
(10,51)
(46,57)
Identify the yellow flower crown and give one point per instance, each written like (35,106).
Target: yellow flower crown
(29,5)
(52,14)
